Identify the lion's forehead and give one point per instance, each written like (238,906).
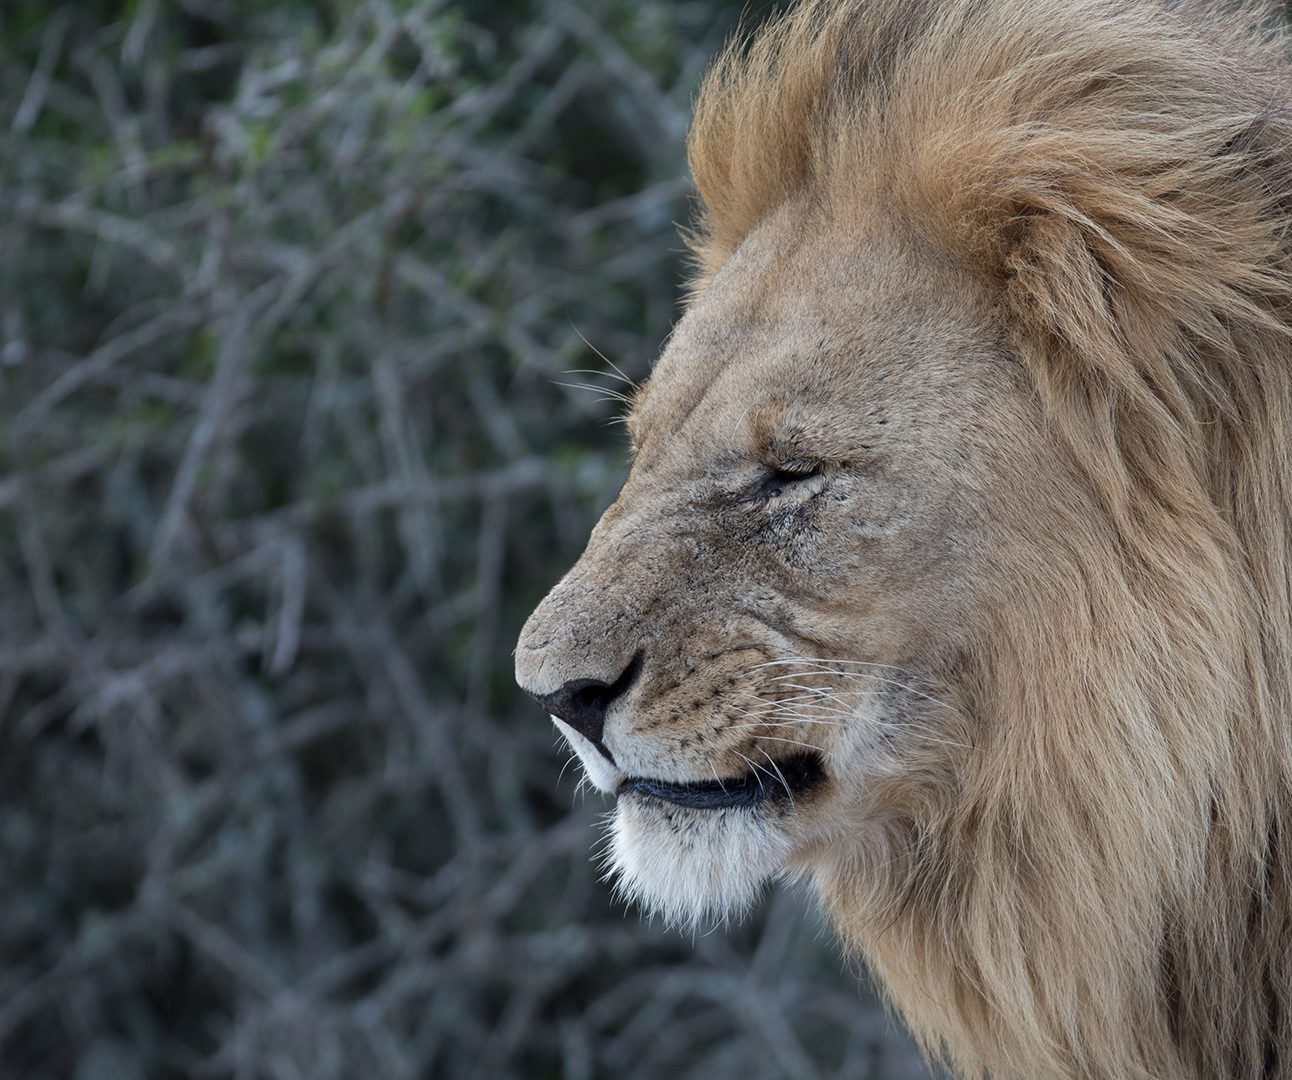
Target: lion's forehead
(828,335)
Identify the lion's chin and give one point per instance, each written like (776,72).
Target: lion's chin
(700,851)
(693,867)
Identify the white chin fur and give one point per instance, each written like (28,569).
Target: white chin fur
(689,866)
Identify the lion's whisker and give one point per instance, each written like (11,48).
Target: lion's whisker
(792,742)
(801,700)
(568,761)
(594,371)
(815,691)
(899,685)
(784,783)
(753,765)
(861,675)
(823,666)
(615,368)
(604,391)
(790,710)
(824,660)
(920,731)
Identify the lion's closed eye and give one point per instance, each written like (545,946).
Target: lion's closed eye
(777,480)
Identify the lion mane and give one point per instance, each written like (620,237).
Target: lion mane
(1104,888)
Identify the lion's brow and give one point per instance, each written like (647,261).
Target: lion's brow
(641,432)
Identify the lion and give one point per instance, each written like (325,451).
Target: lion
(953,571)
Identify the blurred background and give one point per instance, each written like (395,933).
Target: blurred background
(302,409)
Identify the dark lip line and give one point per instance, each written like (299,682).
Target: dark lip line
(801,773)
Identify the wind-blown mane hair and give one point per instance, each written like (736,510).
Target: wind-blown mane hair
(1103,888)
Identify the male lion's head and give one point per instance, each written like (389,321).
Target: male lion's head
(952,569)
(833,462)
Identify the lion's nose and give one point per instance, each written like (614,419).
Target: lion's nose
(582,703)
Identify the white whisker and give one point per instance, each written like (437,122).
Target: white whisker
(754,766)
(615,368)
(811,701)
(793,711)
(820,661)
(784,783)
(791,742)
(860,675)
(604,391)
(791,723)
(568,762)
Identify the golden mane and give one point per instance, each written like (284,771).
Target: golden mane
(1105,890)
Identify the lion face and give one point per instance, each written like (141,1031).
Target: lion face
(760,646)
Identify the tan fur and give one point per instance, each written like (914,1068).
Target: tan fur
(1013,275)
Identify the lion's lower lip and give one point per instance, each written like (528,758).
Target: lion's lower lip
(786,780)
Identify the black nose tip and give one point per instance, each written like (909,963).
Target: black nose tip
(582,703)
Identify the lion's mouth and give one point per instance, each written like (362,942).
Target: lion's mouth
(783,780)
